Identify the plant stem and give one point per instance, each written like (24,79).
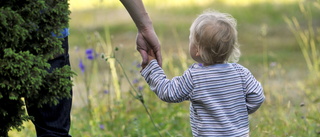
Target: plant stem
(138,96)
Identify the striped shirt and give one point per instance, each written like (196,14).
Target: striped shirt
(221,96)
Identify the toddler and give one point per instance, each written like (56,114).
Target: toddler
(221,94)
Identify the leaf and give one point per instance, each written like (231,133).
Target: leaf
(317,100)
(13,96)
(314,118)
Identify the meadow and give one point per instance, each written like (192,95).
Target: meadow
(110,98)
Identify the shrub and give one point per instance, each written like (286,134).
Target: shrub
(26,46)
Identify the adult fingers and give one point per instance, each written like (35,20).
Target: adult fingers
(144,56)
(154,44)
(158,57)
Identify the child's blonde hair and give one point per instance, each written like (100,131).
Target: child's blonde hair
(215,35)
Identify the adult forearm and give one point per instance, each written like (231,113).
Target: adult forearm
(138,13)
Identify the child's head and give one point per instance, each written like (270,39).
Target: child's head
(213,38)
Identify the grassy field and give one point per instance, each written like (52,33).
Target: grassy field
(104,103)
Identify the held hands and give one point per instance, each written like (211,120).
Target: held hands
(147,39)
(151,56)
(149,47)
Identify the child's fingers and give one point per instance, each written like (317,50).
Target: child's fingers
(151,53)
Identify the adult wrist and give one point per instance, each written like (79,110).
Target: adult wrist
(145,23)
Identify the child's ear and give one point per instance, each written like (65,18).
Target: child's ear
(197,51)
(198,54)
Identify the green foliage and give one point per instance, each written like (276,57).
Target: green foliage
(26,46)
(307,36)
(288,110)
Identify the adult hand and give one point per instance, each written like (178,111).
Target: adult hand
(147,41)
(146,38)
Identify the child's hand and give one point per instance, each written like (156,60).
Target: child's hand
(151,56)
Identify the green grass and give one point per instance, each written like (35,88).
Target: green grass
(274,58)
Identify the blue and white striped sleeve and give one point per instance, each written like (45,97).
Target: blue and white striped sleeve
(254,92)
(175,90)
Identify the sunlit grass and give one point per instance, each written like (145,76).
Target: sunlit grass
(89,4)
(249,2)
(269,50)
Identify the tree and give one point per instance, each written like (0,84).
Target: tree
(26,44)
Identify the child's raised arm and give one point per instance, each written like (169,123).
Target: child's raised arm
(175,90)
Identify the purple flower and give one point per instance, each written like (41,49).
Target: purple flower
(90,57)
(138,65)
(81,66)
(90,54)
(135,81)
(140,88)
(200,64)
(89,51)
(106,91)
(101,126)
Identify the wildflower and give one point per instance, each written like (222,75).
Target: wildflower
(135,81)
(81,66)
(90,57)
(140,88)
(90,54)
(138,65)
(102,126)
(106,91)
(102,55)
(200,64)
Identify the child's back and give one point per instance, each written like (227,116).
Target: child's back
(221,94)
(218,102)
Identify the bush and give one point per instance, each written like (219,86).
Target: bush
(26,46)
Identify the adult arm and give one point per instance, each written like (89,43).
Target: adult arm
(146,37)
(175,90)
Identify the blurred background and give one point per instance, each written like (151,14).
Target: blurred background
(279,43)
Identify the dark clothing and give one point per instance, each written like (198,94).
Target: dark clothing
(53,121)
